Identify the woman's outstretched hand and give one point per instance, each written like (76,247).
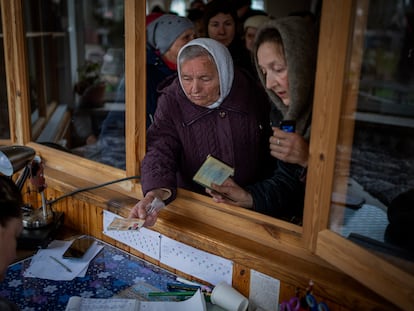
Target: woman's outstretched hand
(148,209)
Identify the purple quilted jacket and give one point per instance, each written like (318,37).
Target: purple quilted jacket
(183,134)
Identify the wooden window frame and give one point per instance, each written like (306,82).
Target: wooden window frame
(337,83)
(314,242)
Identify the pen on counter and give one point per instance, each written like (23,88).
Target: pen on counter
(207,296)
(61,263)
(203,287)
(181,286)
(186,293)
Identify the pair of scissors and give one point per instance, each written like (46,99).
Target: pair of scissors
(292,305)
(314,305)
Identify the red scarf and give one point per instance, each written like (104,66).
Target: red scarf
(171,65)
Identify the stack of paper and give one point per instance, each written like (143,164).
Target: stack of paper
(49,263)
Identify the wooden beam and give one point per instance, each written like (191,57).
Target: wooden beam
(16,71)
(396,285)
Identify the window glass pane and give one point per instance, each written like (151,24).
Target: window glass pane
(373,198)
(4,110)
(178,7)
(76,64)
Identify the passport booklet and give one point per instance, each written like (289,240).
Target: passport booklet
(213,171)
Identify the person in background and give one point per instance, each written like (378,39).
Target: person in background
(157,9)
(211,108)
(220,20)
(197,5)
(244,10)
(290,83)
(285,57)
(165,36)
(197,17)
(11,226)
(250,28)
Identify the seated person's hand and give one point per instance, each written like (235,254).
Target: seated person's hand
(289,147)
(148,209)
(229,189)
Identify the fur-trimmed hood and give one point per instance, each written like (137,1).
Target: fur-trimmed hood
(300,49)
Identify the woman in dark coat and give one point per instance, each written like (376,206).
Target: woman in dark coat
(285,58)
(211,108)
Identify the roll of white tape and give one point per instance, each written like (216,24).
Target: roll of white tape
(228,298)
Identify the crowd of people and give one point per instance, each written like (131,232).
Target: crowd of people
(219,81)
(221,94)
(232,87)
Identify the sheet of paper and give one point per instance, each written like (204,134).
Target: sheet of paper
(203,265)
(88,304)
(195,303)
(49,264)
(263,291)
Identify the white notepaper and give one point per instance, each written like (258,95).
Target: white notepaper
(205,266)
(195,303)
(43,265)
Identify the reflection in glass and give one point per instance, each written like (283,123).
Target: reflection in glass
(374,182)
(76,63)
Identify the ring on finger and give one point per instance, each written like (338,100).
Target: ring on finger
(278,142)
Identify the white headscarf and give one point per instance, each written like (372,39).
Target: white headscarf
(224,64)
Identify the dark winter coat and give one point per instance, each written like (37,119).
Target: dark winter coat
(157,71)
(283,194)
(184,134)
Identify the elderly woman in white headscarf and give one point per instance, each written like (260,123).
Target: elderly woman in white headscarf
(211,108)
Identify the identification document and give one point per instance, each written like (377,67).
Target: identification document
(213,171)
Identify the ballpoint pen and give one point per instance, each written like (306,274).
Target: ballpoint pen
(179,294)
(204,288)
(61,263)
(182,287)
(184,293)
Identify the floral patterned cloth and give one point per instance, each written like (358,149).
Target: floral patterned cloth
(111,273)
